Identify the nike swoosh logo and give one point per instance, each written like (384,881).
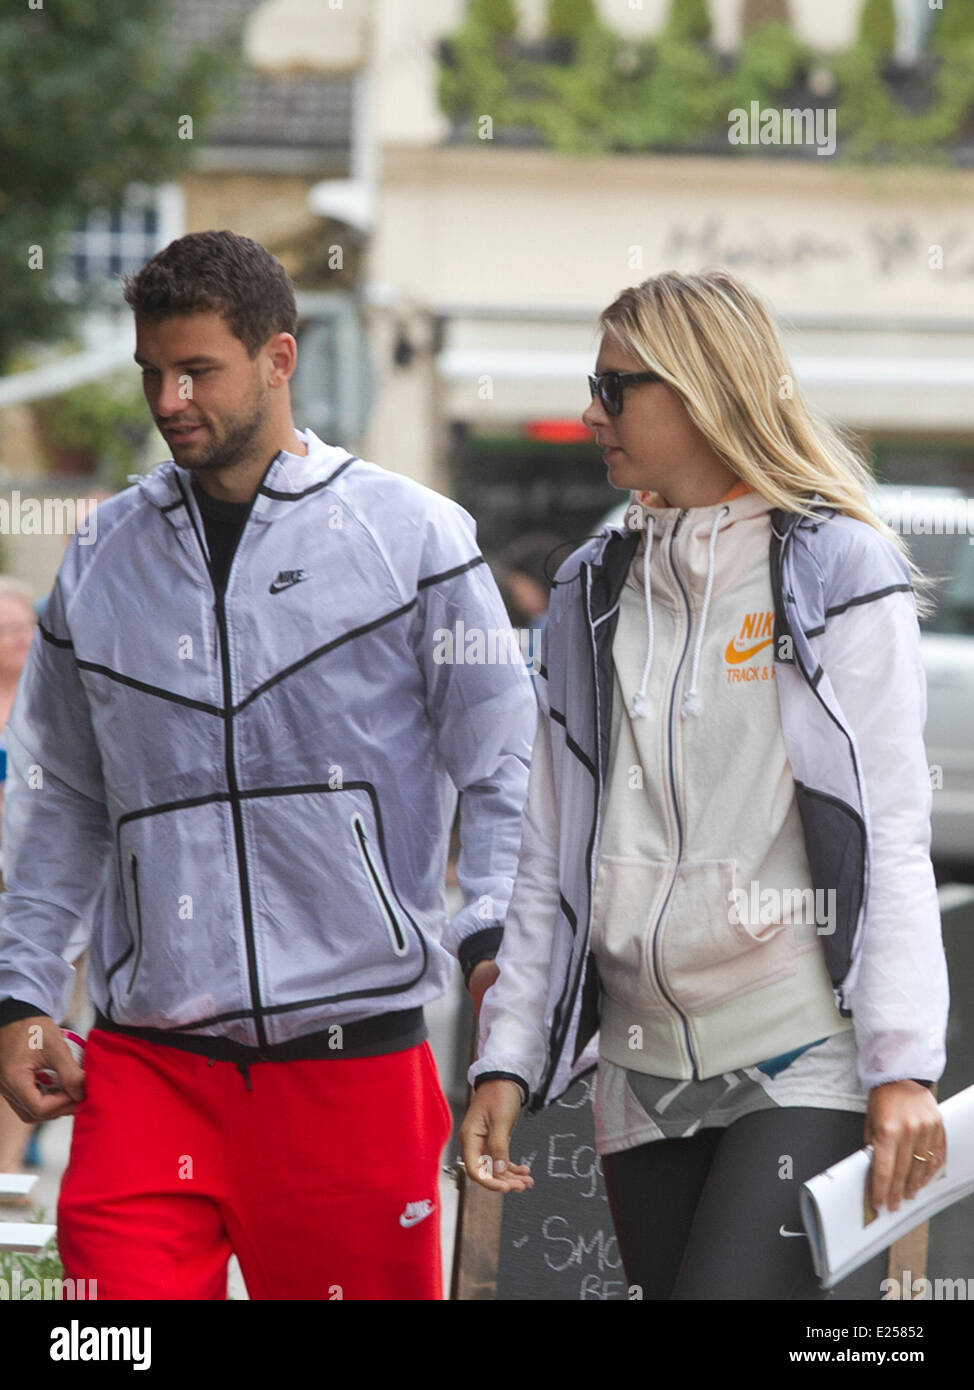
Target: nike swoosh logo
(405,1220)
(783,1232)
(733,655)
(276,588)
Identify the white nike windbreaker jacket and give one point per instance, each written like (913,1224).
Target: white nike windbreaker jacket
(245,796)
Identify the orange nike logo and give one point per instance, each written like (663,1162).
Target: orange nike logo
(733,655)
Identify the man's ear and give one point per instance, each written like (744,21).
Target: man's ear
(282,354)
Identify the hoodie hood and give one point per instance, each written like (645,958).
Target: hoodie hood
(692,555)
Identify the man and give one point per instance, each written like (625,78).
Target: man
(234,750)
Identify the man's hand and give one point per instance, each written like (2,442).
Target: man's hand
(485,1137)
(482,977)
(31,1045)
(909,1145)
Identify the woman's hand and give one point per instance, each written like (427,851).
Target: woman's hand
(485,1137)
(909,1145)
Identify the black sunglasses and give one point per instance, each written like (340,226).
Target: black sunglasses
(610,386)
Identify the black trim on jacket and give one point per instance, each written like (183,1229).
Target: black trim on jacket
(315,487)
(256,793)
(364,1037)
(600,587)
(480,946)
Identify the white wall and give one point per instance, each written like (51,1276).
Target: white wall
(519,250)
(829,25)
(405,110)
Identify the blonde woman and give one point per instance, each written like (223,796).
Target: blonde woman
(724,896)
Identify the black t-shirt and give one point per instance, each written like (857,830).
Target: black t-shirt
(223,522)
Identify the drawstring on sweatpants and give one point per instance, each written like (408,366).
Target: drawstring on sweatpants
(244,1069)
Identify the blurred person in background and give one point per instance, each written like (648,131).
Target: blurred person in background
(528,567)
(17,625)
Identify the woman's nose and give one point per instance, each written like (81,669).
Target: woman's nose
(594,414)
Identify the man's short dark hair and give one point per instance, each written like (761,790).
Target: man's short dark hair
(221,272)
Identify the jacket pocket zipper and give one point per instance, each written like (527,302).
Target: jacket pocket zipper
(382,894)
(134,869)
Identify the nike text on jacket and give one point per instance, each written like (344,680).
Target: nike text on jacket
(853,701)
(248,794)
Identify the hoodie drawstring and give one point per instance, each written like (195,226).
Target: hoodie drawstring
(691,704)
(637,707)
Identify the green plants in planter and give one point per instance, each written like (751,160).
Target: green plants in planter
(567,105)
(498,17)
(567,19)
(952,25)
(769,62)
(108,418)
(875,124)
(681,100)
(601,92)
(475,75)
(687,21)
(877,25)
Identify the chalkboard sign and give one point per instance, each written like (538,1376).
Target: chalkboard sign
(555,1241)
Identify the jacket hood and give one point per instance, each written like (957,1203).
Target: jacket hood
(734,524)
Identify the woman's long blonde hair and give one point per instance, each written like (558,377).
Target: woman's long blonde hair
(715,343)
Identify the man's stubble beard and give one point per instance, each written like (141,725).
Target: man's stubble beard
(234,445)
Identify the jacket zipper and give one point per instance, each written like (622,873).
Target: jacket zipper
(231,771)
(671,767)
(378,887)
(134,870)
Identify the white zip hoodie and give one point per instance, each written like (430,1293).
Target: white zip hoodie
(706,929)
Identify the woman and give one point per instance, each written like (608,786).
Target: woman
(724,893)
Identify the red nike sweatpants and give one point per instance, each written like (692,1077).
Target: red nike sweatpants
(322,1178)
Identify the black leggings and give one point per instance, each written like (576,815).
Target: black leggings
(704,1217)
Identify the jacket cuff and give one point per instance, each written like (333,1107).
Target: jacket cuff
(480,945)
(505,1076)
(892,1080)
(13,1010)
